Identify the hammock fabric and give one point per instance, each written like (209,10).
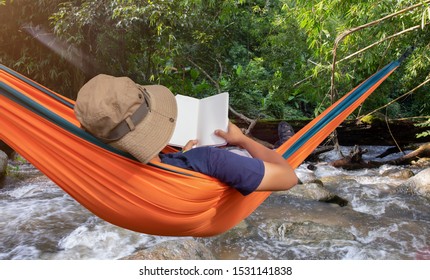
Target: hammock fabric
(155,199)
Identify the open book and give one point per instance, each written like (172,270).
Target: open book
(199,118)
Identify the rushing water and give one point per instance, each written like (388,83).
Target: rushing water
(40,221)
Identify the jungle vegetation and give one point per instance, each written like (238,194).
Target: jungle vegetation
(274,57)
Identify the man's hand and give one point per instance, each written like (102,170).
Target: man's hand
(190,144)
(233,136)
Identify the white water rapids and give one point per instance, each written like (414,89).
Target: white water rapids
(40,221)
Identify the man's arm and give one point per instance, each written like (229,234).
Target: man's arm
(278,174)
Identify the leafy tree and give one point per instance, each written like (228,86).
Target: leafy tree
(323,21)
(194,47)
(274,57)
(22,44)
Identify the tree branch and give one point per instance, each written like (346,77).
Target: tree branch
(216,84)
(379,42)
(361,51)
(251,122)
(355,29)
(400,97)
(346,33)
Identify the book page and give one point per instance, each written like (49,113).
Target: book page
(213,114)
(186,121)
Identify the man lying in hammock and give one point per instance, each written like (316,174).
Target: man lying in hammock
(141,119)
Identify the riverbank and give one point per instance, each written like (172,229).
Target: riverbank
(377,132)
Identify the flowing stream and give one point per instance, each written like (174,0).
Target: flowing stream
(40,221)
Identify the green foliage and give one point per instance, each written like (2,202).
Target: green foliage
(274,57)
(13,170)
(325,20)
(424,133)
(24,52)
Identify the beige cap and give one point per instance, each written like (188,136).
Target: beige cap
(134,118)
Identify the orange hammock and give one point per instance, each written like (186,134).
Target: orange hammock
(155,199)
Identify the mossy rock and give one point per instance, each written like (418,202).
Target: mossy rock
(374,119)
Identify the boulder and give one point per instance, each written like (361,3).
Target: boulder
(8,150)
(181,249)
(314,190)
(419,184)
(401,174)
(422,162)
(307,231)
(3,163)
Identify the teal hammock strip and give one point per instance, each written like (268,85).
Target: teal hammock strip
(33,106)
(35,85)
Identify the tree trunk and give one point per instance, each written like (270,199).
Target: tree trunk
(422,152)
(354,160)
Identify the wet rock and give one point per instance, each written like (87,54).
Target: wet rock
(7,150)
(339,182)
(236,234)
(305,175)
(187,249)
(307,231)
(315,190)
(421,162)
(3,163)
(402,174)
(221,245)
(419,184)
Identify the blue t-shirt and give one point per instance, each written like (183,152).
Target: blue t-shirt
(243,173)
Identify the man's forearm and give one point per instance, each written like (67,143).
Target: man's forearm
(259,151)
